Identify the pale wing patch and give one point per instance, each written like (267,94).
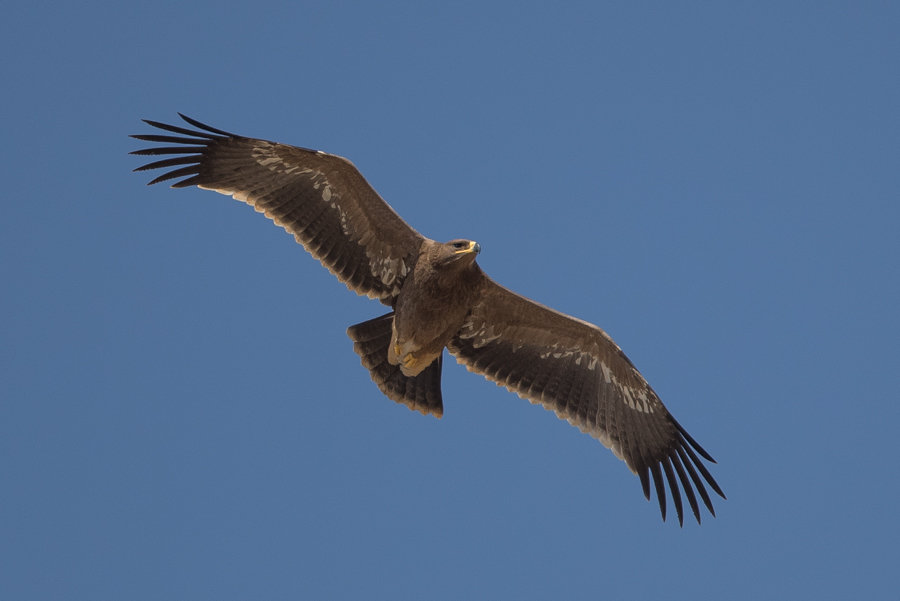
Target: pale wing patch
(391,271)
(479,337)
(635,399)
(551,404)
(480,333)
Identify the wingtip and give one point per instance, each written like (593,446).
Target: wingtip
(690,440)
(645,482)
(206,127)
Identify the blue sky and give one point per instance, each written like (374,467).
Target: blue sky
(714,184)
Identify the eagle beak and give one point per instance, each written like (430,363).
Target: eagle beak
(473,247)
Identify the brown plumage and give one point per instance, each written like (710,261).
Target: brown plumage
(440,299)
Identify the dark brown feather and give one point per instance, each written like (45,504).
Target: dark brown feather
(320,198)
(574,369)
(421,393)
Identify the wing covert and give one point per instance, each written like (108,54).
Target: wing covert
(574,369)
(321,199)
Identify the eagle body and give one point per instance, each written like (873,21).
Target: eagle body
(440,298)
(433,303)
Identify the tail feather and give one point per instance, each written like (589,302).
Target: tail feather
(422,393)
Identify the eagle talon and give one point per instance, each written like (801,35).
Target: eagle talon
(409,361)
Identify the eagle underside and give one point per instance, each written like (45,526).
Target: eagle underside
(371,341)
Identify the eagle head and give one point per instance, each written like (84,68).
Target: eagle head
(458,253)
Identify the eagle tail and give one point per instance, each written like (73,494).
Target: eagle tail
(422,393)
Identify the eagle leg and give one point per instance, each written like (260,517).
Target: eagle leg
(409,362)
(372,341)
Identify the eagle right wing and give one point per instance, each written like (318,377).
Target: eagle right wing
(574,369)
(321,199)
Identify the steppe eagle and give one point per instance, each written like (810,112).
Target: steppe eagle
(440,298)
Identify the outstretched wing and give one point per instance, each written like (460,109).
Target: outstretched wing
(575,369)
(321,199)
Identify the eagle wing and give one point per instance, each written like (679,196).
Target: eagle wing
(574,369)
(321,199)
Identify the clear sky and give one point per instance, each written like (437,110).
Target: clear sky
(714,184)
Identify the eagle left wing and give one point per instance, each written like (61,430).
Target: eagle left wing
(574,369)
(320,198)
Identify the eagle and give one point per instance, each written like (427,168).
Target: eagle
(440,298)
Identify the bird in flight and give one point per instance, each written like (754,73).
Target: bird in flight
(440,298)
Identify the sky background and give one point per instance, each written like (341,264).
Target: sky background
(714,184)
